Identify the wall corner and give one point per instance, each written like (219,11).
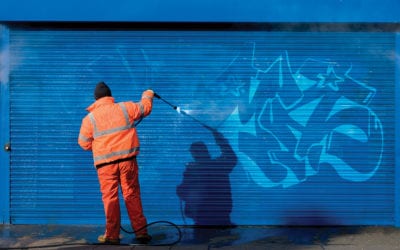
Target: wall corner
(4,125)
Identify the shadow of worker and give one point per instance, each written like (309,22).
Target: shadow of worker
(205,188)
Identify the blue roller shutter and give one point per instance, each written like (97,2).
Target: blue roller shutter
(309,117)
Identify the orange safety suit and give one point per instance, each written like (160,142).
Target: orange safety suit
(109,131)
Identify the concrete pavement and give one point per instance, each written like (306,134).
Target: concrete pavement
(238,238)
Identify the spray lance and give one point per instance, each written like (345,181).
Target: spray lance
(178,109)
(162,99)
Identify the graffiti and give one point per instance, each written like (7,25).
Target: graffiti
(290,124)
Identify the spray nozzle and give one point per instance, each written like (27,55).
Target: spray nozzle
(183,112)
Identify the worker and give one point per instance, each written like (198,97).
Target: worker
(109,132)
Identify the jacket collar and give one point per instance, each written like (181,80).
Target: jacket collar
(100,102)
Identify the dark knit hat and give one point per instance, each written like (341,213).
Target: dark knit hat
(101,90)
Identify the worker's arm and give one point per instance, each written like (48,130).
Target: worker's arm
(86,134)
(138,110)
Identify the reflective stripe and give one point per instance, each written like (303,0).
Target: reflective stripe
(84,138)
(123,152)
(93,121)
(128,125)
(125,112)
(141,109)
(113,130)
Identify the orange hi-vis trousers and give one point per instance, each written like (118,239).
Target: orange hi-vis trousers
(124,174)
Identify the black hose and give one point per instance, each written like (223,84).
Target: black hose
(158,222)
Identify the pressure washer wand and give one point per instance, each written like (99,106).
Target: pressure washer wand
(162,99)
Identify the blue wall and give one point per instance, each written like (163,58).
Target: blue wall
(309,116)
(266,92)
(4,126)
(202,11)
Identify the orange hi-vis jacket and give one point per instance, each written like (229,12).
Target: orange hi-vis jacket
(109,129)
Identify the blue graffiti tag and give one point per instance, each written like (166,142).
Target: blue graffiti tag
(289,124)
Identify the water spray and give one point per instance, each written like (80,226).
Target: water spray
(180,111)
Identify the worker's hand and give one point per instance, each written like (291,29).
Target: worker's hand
(149,93)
